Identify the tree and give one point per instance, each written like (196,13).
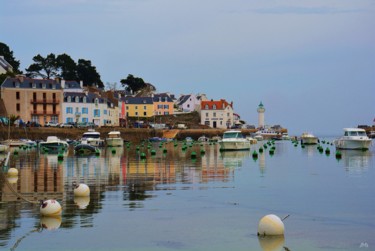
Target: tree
(8,56)
(43,67)
(133,83)
(88,74)
(67,67)
(111,86)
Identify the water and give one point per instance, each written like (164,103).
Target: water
(173,202)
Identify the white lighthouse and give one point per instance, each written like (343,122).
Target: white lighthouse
(261,111)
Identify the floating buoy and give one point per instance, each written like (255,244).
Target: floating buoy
(50,223)
(153,152)
(12,179)
(15,152)
(272,151)
(60,156)
(193,155)
(81,190)
(328,151)
(143,155)
(50,208)
(338,155)
(255,154)
(82,202)
(203,151)
(270,225)
(97,152)
(12,172)
(260,149)
(113,151)
(164,150)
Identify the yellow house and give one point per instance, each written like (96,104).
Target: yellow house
(139,107)
(163,104)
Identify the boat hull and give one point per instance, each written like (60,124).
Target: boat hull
(85,149)
(309,141)
(353,144)
(234,145)
(114,142)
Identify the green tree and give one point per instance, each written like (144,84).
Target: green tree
(88,74)
(8,56)
(132,83)
(67,67)
(43,67)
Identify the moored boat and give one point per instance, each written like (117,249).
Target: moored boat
(234,140)
(114,139)
(3,148)
(85,149)
(92,137)
(353,138)
(308,139)
(203,139)
(53,143)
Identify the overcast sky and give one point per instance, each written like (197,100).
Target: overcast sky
(311,62)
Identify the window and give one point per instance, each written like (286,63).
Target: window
(17,95)
(69,99)
(77,110)
(136,107)
(206,107)
(34,85)
(34,118)
(144,107)
(214,107)
(105,112)
(127,114)
(18,107)
(228,114)
(160,106)
(136,113)
(69,110)
(166,113)
(85,120)
(127,107)
(144,113)
(96,113)
(77,99)
(69,120)
(84,99)
(188,106)
(214,114)
(44,85)
(85,110)
(166,106)
(206,114)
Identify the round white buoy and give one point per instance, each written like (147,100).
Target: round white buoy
(12,172)
(270,225)
(82,190)
(50,223)
(50,208)
(12,179)
(82,202)
(272,243)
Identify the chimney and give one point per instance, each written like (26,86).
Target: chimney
(62,83)
(81,83)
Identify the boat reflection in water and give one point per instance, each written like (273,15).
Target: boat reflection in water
(356,161)
(234,159)
(272,243)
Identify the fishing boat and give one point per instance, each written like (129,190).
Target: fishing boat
(92,137)
(114,139)
(353,138)
(233,140)
(54,144)
(308,139)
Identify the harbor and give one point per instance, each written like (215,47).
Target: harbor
(172,199)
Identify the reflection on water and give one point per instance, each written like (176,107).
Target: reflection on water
(271,243)
(126,185)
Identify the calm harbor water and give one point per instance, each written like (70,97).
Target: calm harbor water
(173,202)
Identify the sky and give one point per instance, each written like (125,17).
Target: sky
(310,62)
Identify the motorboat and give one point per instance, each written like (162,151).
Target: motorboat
(308,139)
(3,148)
(285,136)
(92,137)
(268,134)
(14,143)
(234,140)
(114,139)
(258,137)
(203,139)
(251,140)
(54,144)
(353,138)
(84,148)
(215,139)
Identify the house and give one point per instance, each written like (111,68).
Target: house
(35,100)
(188,103)
(139,106)
(217,114)
(163,104)
(5,66)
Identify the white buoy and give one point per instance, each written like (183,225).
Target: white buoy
(82,201)
(50,208)
(270,225)
(272,243)
(12,179)
(12,172)
(50,223)
(82,190)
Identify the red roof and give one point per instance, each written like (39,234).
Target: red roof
(219,105)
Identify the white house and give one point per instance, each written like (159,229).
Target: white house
(217,114)
(5,66)
(189,103)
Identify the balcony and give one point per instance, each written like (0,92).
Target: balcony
(45,101)
(57,113)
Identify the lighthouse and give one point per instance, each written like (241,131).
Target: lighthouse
(261,111)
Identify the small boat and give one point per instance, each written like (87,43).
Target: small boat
(92,137)
(308,139)
(188,139)
(215,139)
(85,149)
(268,134)
(203,139)
(258,137)
(14,143)
(285,136)
(353,138)
(114,139)
(54,144)
(251,140)
(234,140)
(157,139)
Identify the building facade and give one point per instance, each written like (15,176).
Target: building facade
(217,114)
(141,107)
(163,104)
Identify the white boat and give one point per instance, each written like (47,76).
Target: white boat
(14,143)
(353,138)
(53,143)
(252,140)
(258,137)
(3,148)
(267,134)
(203,139)
(92,137)
(308,139)
(285,136)
(234,140)
(114,139)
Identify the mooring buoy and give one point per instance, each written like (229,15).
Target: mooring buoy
(81,190)
(270,225)
(50,208)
